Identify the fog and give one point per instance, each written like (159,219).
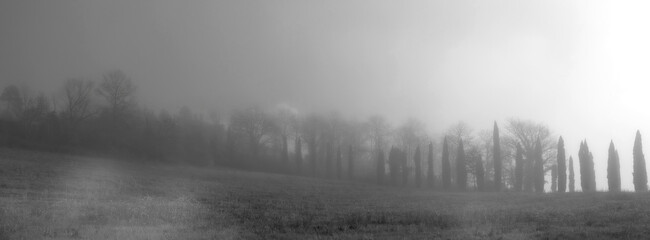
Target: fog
(580,67)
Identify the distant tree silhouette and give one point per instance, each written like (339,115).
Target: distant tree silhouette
(527,133)
(480,174)
(640,174)
(255,128)
(430,177)
(405,170)
(298,155)
(350,163)
(328,160)
(496,153)
(312,134)
(561,166)
(394,165)
(613,169)
(15,102)
(539,167)
(446,166)
(285,152)
(231,143)
(339,163)
(554,178)
(118,91)
(519,168)
(77,102)
(587,176)
(461,170)
(417,160)
(572,180)
(381,171)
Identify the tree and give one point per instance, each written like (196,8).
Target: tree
(312,133)
(430,177)
(394,165)
(405,168)
(77,101)
(496,153)
(561,166)
(527,133)
(298,156)
(446,166)
(587,176)
(12,96)
(378,129)
(118,91)
(554,178)
(381,171)
(350,163)
(328,159)
(572,181)
(286,119)
(519,168)
(539,168)
(255,126)
(285,152)
(339,163)
(417,159)
(640,175)
(613,169)
(480,175)
(461,170)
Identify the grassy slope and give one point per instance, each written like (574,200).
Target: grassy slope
(48,196)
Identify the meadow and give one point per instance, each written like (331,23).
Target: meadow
(54,196)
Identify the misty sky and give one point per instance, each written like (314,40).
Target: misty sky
(579,66)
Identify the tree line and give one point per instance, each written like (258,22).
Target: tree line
(103,118)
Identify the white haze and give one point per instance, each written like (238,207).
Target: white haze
(579,66)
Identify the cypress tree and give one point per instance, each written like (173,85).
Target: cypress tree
(519,169)
(430,177)
(480,174)
(640,174)
(539,167)
(572,180)
(587,176)
(561,166)
(461,171)
(298,156)
(418,171)
(613,169)
(497,157)
(446,166)
(592,172)
(339,167)
(381,171)
(350,163)
(554,178)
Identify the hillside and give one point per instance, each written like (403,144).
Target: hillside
(51,196)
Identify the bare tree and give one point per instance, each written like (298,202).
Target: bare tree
(77,101)
(118,91)
(378,130)
(255,126)
(527,133)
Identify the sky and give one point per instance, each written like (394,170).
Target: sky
(578,66)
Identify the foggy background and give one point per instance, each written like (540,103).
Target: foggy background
(579,66)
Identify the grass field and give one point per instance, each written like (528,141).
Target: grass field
(50,196)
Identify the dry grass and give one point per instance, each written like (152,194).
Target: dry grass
(49,196)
